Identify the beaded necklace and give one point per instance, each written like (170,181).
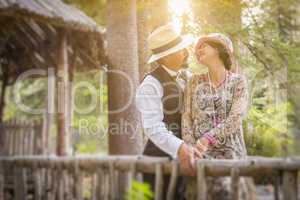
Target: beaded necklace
(223,102)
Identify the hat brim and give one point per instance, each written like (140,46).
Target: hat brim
(186,41)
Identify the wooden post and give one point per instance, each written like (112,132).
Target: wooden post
(173,181)
(99,189)
(54,186)
(94,187)
(19,189)
(78,178)
(37,184)
(112,183)
(131,175)
(235,180)
(201,182)
(106,184)
(2,181)
(30,140)
(62,96)
(290,185)
(60,183)
(2,104)
(2,97)
(276,183)
(159,182)
(49,111)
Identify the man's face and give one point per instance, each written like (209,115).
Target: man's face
(176,60)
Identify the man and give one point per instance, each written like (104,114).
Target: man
(159,99)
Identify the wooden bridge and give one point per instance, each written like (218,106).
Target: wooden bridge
(63,177)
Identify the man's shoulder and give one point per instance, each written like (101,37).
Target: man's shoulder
(149,85)
(149,79)
(150,73)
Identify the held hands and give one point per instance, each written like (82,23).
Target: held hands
(187,157)
(202,145)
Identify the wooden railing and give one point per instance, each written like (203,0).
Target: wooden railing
(63,177)
(24,138)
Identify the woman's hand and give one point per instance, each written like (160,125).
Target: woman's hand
(202,145)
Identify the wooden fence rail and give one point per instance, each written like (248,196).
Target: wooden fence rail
(64,177)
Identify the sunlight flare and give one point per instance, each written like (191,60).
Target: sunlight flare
(178,8)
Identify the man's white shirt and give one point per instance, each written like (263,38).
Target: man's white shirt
(149,102)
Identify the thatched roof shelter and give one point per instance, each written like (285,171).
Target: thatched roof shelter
(43,34)
(31,30)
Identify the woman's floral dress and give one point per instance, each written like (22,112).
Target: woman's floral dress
(219,113)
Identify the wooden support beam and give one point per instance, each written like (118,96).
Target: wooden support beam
(159,182)
(290,185)
(111,172)
(78,182)
(2,181)
(48,116)
(235,181)
(276,183)
(201,182)
(99,184)
(63,95)
(4,84)
(173,181)
(147,164)
(44,44)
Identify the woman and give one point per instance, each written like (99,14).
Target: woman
(213,109)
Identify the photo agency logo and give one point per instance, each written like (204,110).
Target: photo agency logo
(64,92)
(61,94)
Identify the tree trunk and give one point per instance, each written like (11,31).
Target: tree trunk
(143,32)
(125,135)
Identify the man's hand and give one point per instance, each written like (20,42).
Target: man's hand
(187,156)
(202,145)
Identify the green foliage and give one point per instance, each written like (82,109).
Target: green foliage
(24,95)
(89,129)
(92,126)
(266,131)
(139,191)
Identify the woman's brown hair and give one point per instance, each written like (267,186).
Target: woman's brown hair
(223,53)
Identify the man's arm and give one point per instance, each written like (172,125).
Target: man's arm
(149,103)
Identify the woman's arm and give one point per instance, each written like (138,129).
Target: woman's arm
(234,120)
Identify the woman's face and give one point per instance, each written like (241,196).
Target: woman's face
(206,54)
